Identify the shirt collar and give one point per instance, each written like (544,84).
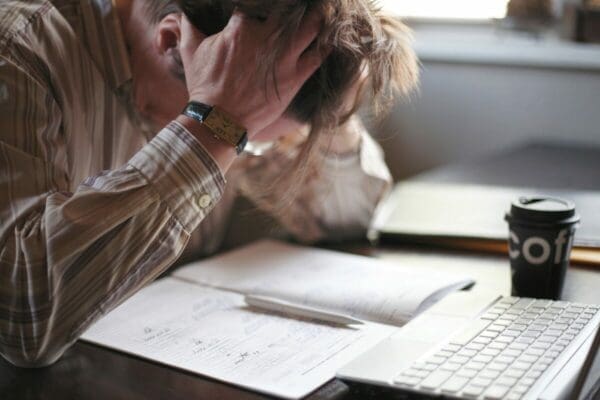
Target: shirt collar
(106,41)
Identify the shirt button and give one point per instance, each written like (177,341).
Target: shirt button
(204,201)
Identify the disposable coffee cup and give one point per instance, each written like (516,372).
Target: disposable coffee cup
(541,233)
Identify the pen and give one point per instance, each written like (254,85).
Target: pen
(270,304)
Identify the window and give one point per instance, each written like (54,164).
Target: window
(445,9)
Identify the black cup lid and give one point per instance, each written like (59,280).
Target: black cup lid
(543,209)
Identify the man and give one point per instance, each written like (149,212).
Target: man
(104,183)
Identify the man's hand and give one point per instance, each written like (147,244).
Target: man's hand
(224,69)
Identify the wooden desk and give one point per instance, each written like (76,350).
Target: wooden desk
(90,372)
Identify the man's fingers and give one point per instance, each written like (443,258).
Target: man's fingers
(190,39)
(307,32)
(310,61)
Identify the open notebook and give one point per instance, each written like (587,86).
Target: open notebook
(197,320)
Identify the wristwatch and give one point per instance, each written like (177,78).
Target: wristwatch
(222,125)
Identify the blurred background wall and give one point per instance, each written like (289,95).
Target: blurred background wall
(485,88)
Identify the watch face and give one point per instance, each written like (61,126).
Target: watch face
(224,127)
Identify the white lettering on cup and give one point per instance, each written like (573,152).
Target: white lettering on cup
(514,253)
(531,242)
(559,243)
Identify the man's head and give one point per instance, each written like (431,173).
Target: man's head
(355,33)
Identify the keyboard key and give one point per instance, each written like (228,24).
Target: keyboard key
(482,340)
(490,352)
(429,367)
(514,396)
(496,392)
(511,352)
(467,353)
(472,391)
(480,358)
(518,327)
(533,374)
(552,354)
(521,365)
(546,339)
(422,374)
(470,333)
(540,328)
(526,340)
(482,382)
(497,366)
(504,339)
(540,366)
(467,373)
(521,389)
(531,334)
(454,384)
(557,347)
(517,346)
(529,358)
(496,328)
(497,345)
(449,366)
(523,303)
(553,332)
(534,352)
(509,300)
(436,379)
(490,316)
(540,345)
(474,346)
(488,334)
(405,380)
(489,374)
(506,381)
(511,333)
(505,359)
(514,373)
(453,348)
(459,359)
(542,303)
(527,381)
(475,365)
(436,360)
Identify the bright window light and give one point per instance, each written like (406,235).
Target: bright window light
(446,9)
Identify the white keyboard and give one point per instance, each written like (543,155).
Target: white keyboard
(503,353)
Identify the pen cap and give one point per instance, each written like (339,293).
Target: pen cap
(542,211)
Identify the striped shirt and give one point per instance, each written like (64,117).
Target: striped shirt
(93,206)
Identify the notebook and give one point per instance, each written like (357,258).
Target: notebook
(196,318)
(472,216)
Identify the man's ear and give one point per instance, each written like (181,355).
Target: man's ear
(168,34)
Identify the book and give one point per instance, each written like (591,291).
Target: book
(468,216)
(196,318)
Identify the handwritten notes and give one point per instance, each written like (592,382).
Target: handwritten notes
(362,287)
(212,333)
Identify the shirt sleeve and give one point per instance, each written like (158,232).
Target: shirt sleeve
(335,200)
(68,257)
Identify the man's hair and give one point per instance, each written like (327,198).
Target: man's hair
(358,37)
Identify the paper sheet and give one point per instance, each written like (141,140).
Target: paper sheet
(212,333)
(359,286)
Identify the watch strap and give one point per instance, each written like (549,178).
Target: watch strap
(221,124)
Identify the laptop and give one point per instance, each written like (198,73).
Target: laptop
(479,346)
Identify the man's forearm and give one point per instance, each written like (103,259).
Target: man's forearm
(76,256)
